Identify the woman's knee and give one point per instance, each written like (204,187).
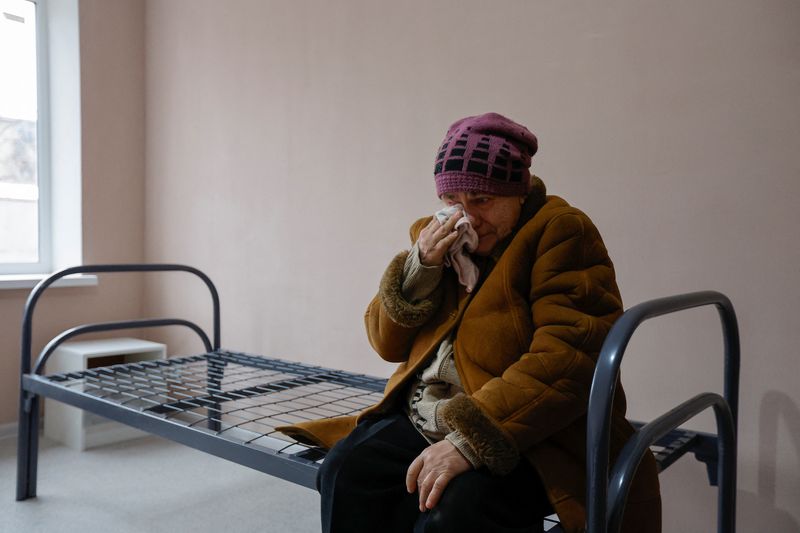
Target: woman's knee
(470,518)
(456,510)
(446,520)
(473,502)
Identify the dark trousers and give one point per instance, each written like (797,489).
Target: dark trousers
(363,488)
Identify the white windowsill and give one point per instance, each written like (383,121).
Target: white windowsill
(29,281)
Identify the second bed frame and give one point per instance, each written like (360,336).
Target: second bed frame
(228,403)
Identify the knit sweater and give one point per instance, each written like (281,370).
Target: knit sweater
(439,381)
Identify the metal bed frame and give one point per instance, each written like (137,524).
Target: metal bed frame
(228,403)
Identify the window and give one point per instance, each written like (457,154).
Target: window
(24,208)
(40,187)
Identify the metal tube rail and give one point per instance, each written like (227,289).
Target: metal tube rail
(604,384)
(33,298)
(636,447)
(48,350)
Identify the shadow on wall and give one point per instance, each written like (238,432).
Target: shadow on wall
(756,511)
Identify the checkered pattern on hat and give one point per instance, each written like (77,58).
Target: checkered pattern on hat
(486,153)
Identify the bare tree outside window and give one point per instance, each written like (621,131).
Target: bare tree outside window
(19,186)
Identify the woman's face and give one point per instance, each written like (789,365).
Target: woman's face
(492,217)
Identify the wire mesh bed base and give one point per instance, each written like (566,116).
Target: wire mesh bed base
(240,399)
(226,403)
(229,403)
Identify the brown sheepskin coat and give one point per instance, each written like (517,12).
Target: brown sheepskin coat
(525,349)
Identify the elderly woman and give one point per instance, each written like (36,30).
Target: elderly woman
(482,426)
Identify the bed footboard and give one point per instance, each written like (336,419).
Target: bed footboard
(28,430)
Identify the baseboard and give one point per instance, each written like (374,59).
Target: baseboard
(8,431)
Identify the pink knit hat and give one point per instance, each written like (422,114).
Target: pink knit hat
(486,153)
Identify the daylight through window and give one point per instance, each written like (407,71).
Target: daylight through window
(19,177)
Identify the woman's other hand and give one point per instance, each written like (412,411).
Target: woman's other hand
(435,239)
(432,470)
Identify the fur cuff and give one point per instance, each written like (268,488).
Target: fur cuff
(491,443)
(400,310)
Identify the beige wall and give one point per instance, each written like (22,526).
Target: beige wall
(112,158)
(289,145)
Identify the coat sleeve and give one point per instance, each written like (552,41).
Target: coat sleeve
(393,322)
(574,302)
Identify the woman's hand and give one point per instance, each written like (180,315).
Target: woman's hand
(432,470)
(435,239)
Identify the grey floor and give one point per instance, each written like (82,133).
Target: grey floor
(150,485)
